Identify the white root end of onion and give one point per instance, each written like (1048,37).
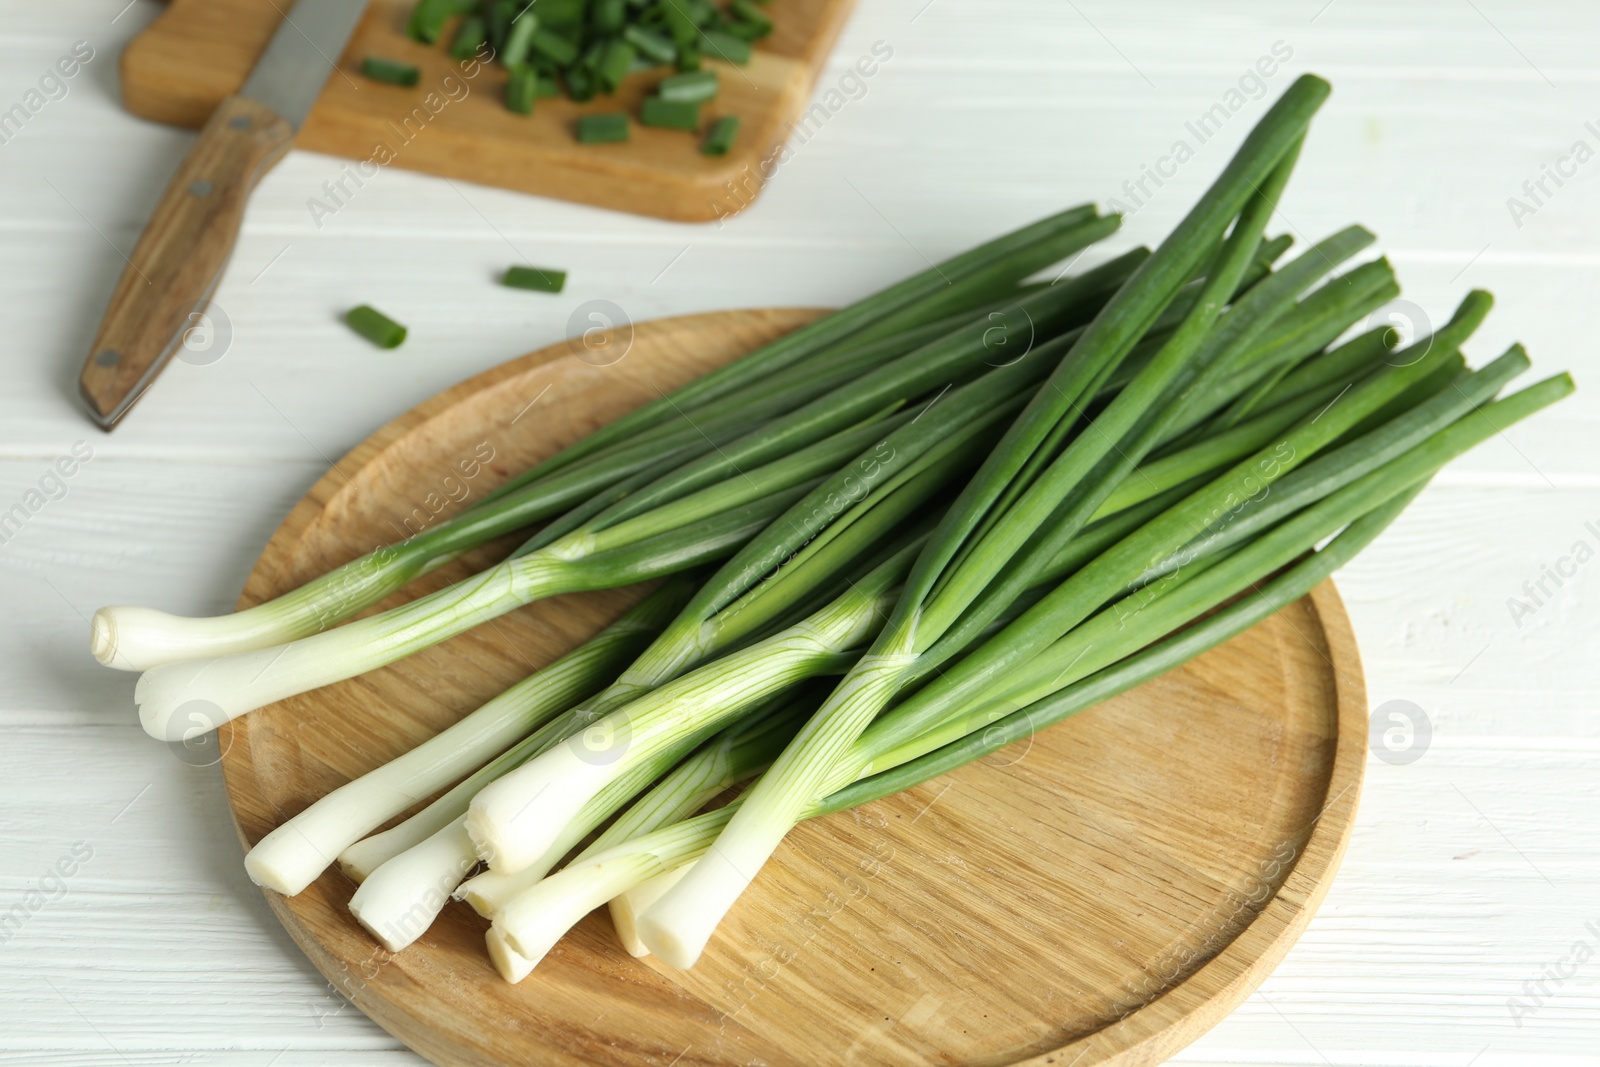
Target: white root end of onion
(362,858)
(399,901)
(512,966)
(676,928)
(488,892)
(179,701)
(538,917)
(132,638)
(286,860)
(516,819)
(626,907)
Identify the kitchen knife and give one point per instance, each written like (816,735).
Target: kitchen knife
(186,244)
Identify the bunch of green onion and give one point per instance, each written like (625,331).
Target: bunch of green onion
(889,543)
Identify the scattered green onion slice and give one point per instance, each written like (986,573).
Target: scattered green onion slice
(650,43)
(427,20)
(615,60)
(521,89)
(752,15)
(602,129)
(389,70)
(554,47)
(375,326)
(724,46)
(470,38)
(519,39)
(693,87)
(539,279)
(669,114)
(720,140)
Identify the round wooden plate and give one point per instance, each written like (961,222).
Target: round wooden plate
(1102,894)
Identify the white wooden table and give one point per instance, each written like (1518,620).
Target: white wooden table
(1474,874)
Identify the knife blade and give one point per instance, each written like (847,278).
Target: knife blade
(182,254)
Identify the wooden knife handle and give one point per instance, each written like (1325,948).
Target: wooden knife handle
(181,255)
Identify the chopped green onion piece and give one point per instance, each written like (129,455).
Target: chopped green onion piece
(427,20)
(546,86)
(499,17)
(688,59)
(725,46)
(670,114)
(750,13)
(679,22)
(744,31)
(609,15)
(375,326)
(721,137)
(616,59)
(602,129)
(387,70)
(580,84)
(562,12)
(519,38)
(539,279)
(694,87)
(473,35)
(521,88)
(650,44)
(554,47)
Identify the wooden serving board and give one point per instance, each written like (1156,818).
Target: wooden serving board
(180,68)
(1101,894)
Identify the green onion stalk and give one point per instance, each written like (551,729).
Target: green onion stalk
(679,427)
(430,852)
(1149,630)
(398,899)
(631,872)
(1027,500)
(541,816)
(739,753)
(694,514)
(832,531)
(408,872)
(935,449)
(1265,302)
(408,893)
(292,855)
(678,925)
(296,852)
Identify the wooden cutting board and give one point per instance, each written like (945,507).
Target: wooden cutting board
(1101,894)
(199,51)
